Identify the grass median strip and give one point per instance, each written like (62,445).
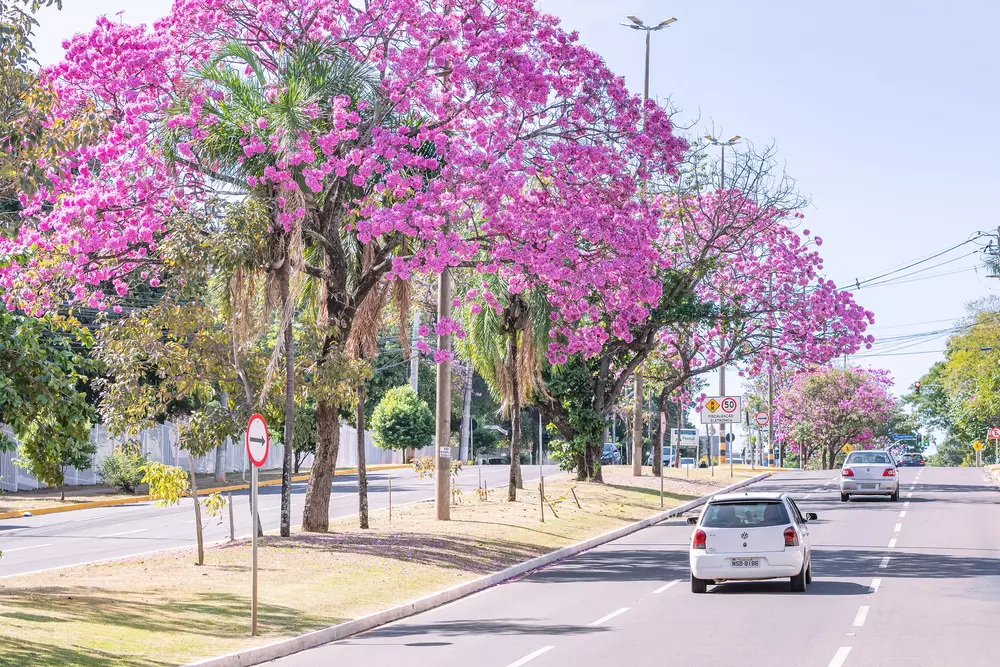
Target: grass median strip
(163,610)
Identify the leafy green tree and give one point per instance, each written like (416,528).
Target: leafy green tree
(402,420)
(123,470)
(41,374)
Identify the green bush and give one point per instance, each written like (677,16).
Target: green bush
(123,471)
(402,420)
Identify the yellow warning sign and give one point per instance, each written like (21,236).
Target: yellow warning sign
(847,449)
(977,445)
(713,405)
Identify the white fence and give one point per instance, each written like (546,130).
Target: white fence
(160,444)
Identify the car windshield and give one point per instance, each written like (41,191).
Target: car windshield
(746,514)
(609,448)
(867,458)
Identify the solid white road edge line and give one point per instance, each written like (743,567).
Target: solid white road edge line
(892,543)
(531,656)
(859,620)
(875,584)
(898,528)
(605,619)
(666,586)
(35,546)
(127,532)
(840,656)
(885,563)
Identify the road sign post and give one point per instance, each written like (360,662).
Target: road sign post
(257,443)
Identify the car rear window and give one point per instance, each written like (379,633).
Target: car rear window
(747,514)
(869,458)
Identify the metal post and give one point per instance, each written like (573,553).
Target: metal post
(645,85)
(253,541)
(389,476)
(443,432)
(232,524)
(661,456)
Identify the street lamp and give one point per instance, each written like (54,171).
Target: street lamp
(735,139)
(637,24)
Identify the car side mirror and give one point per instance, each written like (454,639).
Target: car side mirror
(692,521)
(811,516)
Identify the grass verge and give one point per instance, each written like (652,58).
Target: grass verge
(164,610)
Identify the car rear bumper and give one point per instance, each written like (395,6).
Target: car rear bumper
(881,487)
(773,564)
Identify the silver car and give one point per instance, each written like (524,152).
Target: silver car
(869,473)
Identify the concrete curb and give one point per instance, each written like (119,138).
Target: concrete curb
(286,647)
(201,492)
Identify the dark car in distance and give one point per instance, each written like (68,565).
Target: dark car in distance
(610,456)
(912,460)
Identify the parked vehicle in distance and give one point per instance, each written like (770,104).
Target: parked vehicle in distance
(911,460)
(869,472)
(611,456)
(668,457)
(749,537)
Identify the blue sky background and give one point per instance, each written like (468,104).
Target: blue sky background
(883,111)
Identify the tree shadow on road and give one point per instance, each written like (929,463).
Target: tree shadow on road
(490,626)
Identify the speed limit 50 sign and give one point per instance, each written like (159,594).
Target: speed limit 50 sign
(722,410)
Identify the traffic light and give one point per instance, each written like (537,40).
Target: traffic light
(916,387)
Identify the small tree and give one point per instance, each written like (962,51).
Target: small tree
(402,420)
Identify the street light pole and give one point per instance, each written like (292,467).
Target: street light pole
(637,24)
(735,139)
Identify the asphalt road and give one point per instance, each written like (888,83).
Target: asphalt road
(914,583)
(83,536)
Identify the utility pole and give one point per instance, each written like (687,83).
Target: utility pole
(637,24)
(414,355)
(442,440)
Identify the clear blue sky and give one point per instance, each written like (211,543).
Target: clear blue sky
(883,111)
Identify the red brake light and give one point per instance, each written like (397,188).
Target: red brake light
(889,472)
(791,537)
(698,542)
(847,472)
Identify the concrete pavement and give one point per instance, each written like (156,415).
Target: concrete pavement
(73,538)
(916,582)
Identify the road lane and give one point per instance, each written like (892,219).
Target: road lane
(629,601)
(83,536)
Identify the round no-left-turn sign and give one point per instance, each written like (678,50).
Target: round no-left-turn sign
(257,440)
(729,405)
(762,419)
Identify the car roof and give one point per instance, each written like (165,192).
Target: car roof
(724,497)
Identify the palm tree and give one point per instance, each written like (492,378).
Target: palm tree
(506,348)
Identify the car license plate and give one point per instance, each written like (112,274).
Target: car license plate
(869,486)
(744,562)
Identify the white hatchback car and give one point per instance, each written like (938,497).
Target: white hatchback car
(869,473)
(750,536)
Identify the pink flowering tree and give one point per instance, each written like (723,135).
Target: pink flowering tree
(825,408)
(398,137)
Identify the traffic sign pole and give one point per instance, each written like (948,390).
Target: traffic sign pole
(253,531)
(257,444)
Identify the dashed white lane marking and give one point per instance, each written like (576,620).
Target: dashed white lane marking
(909,495)
(666,586)
(885,563)
(859,620)
(531,656)
(830,481)
(898,528)
(34,546)
(807,496)
(906,504)
(913,486)
(127,532)
(817,491)
(902,514)
(840,656)
(892,543)
(875,584)
(605,619)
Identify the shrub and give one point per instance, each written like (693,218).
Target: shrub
(123,471)
(402,420)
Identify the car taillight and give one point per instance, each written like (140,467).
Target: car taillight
(791,537)
(699,539)
(889,472)
(847,472)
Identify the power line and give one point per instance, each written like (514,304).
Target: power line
(859,283)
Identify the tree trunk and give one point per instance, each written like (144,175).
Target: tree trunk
(316,514)
(362,470)
(515,420)
(661,404)
(220,463)
(466,436)
(197,510)
(286,464)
